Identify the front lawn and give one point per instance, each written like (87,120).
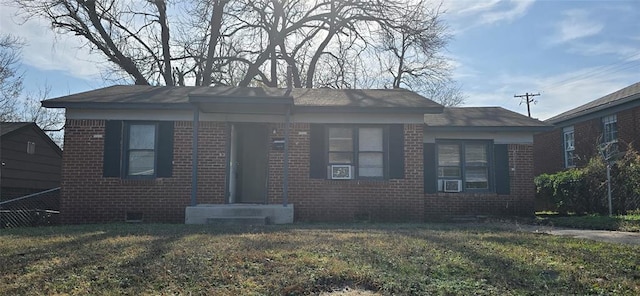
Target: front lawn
(301,259)
(630,222)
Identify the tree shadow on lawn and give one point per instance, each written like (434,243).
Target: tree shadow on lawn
(501,268)
(83,259)
(141,258)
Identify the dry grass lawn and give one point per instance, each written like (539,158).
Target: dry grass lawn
(309,259)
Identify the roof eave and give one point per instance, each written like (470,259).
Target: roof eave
(627,103)
(119,106)
(533,129)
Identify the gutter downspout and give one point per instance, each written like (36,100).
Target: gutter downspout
(285,170)
(194,156)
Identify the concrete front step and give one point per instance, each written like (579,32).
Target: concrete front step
(275,214)
(239,220)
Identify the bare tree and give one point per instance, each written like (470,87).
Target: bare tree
(410,48)
(10,76)
(448,92)
(257,42)
(15,104)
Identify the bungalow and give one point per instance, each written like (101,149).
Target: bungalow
(612,122)
(336,155)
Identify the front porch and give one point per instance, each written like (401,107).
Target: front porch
(247,158)
(239,214)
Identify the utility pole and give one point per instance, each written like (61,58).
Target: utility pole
(527,100)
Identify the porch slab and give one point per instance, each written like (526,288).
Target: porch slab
(240,220)
(208,213)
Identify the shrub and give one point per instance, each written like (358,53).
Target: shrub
(584,190)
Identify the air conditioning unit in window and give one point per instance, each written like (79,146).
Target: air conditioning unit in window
(452,185)
(341,172)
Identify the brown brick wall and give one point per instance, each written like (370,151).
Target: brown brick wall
(548,152)
(87,197)
(549,149)
(587,136)
(348,200)
(519,202)
(629,127)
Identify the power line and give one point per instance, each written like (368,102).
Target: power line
(628,62)
(525,97)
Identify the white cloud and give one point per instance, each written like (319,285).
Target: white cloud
(515,9)
(47,50)
(457,7)
(558,93)
(577,24)
(624,51)
(464,14)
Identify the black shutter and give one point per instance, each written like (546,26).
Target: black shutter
(317,161)
(430,180)
(501,156)
(165,149)
(112,148)
(396,151)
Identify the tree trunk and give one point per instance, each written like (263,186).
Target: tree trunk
(166,53)
(215,24)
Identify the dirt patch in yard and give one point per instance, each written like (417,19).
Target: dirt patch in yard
(350,292)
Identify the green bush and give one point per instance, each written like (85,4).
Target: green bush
(584,190)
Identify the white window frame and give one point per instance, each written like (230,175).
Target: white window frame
(463,165)
(128,149)
(355,151)
(610,129)
(569,144)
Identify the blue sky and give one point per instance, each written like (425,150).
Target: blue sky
(570,52)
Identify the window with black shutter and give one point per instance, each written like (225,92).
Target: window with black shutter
(357,152)
(136,149)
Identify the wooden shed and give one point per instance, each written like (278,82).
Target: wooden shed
(31,161)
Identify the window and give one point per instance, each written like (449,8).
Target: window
(134,149)
(609,145)
(140,152)
(31,147)
(350,152)
(467,161)
(362,148)
(569,147)
(610,129)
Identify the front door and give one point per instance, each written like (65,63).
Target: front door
(248,172)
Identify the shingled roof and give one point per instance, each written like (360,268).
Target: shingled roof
(628,94)
(482,119)
(8,127)
(177,97)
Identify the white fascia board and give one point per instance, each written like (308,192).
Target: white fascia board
(186,115)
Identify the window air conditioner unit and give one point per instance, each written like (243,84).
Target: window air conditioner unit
(452,185)
(341,172)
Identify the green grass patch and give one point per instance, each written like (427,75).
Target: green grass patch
(308,259)
(629,222)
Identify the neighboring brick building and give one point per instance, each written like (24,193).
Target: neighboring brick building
(612,121)
(382,155)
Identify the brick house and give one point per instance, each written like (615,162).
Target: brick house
(611,122)
(336,155)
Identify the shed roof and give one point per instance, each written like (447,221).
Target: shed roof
(482,118)
(628,94)
(8,127)
(140,96)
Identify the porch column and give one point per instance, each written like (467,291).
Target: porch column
(285,170)
(194,156)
